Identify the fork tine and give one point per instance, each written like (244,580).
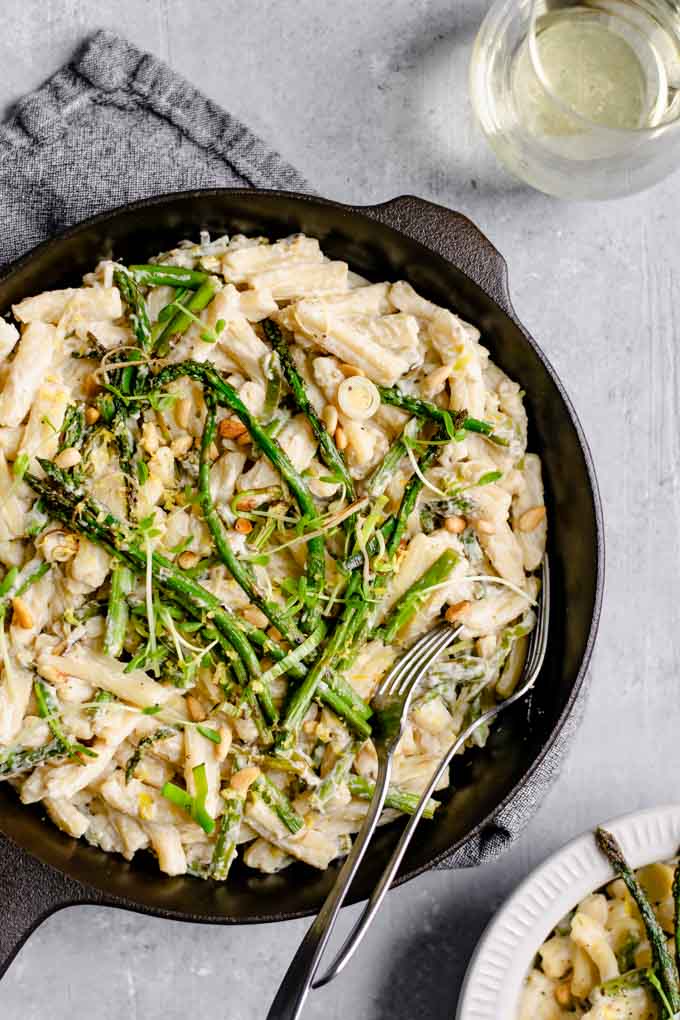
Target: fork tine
(424,659)
(405,661)
(539,635)
(422,650)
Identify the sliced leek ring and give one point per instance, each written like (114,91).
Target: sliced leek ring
(358,398)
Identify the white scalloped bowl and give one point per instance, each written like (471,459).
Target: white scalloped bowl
(496,973)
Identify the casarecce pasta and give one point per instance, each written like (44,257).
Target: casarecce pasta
(237,481)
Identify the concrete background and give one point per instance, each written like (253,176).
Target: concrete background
(369,99)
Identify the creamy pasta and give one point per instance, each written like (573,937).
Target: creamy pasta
(237,481)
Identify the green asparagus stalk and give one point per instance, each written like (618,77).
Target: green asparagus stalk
(227,396)
(72,428)
(412,491)
(181,321)
(328,451)
(278,802)
(159,275)
(453,422)
(410,601)
(343,688)
(118,613)
(225,845)
(48,710)
(139,317)
(664,965)
(144,744)
(16,760)
(236,567)
(397,799)
(342,708)
(335,778)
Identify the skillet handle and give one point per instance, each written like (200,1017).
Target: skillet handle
(30,892)
(451,235)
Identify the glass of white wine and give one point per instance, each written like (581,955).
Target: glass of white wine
(581,99)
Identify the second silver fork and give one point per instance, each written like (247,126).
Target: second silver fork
(392,704)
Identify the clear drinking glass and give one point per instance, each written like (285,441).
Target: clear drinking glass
(581,99)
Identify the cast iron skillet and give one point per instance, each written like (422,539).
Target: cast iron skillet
(446,258)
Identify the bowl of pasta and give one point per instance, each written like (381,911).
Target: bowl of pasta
(252,445)
(590,933)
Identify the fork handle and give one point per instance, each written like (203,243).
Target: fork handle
(297,980)
(356,936)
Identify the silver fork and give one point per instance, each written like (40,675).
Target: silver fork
(532,667)
(392,704)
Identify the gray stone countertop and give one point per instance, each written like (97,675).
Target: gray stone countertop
(369,99)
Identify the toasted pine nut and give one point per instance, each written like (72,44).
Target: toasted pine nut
(91,385)
(244,439)
(531,518)
(274,633)
(309,727)
(455,525)
(486,527)
(242,780)
(329,417)
(68,458)
(150,438)
(231,428)
(563,994)
(350,369)
(454,612)
(183,412)
(187,559)
(181,446)
(23,617)
(222,749)
(254,616)
(195,709)
(340,438)
(243,526)
(91,415)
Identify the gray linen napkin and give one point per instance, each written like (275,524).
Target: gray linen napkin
(117,125)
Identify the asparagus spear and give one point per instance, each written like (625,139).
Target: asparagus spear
(409,602)
(139,317)
(334,779)
(663,962)
(117,614)
(48,710)
(16,760)
(452,421)
(412,491)
(133,761)
(225,845)
(397,799)
(72,428)
(328,451)
(227,396)
(342,708)
(181,321)
(159,275)
(278,802)
(238,570)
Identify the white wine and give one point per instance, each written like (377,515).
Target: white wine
(570,94)
(595,67)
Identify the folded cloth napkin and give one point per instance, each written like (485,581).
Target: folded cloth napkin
(117,125)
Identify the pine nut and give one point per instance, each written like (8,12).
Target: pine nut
(274,633)
(195,709)
(150,438)
(231,428)
(486,527)
(531,518)
(91,415)
(243,526)
(183,412)
(22,615)
(91,385)
(453,613)
(244,440)
(350,369)
(254,616)
(329,417)
(242,780)
(340,438)
(222,749)
(187,559)
(181,446)
(68,458)
(455,525)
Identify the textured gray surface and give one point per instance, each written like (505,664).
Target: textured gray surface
(369,103)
